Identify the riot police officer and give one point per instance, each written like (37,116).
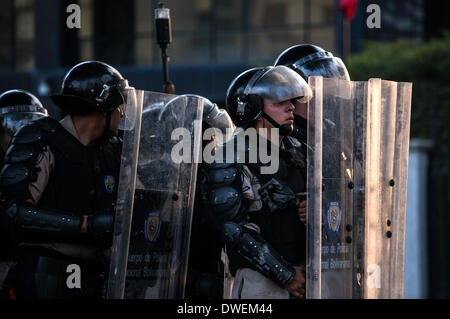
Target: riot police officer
(59,188)
(17,108)
(256,213)
(310,60)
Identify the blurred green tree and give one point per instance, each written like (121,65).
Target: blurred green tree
(427,65)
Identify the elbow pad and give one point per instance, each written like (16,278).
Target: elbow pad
(225,198)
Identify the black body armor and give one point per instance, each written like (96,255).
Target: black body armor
(281,242)
(82,182)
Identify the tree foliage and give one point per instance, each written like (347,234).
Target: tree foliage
(427,65)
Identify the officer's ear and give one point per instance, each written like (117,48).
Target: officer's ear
(255,101)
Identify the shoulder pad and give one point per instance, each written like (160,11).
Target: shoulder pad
(48,124)
(28,134)
(15,177)
(35,131)
(223,175)
(20,153)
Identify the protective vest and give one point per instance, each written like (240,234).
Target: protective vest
(84,179)
(282,228)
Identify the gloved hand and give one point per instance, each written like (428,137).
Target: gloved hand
(101,225)
(276,196)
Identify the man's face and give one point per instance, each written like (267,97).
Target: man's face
(281,112)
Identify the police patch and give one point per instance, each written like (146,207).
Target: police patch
(334,214)
(152,227)
(109,183)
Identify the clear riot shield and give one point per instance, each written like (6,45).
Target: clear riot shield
(155,197)
(358,137)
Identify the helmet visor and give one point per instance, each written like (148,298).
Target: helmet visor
(23,109)
(11,122)
(281,83)
(327,67)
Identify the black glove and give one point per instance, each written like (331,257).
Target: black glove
(101,225)
(276,196)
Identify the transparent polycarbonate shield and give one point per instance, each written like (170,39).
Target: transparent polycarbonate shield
(386,167)
(331,160)
(156,196)
(314,191)
(357,170)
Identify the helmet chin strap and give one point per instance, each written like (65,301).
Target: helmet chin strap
(284,129)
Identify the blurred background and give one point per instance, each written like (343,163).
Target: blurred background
(215,40)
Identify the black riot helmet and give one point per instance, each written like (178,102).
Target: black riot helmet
(309,60)
(91,86)
(245,95)
(17,108)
